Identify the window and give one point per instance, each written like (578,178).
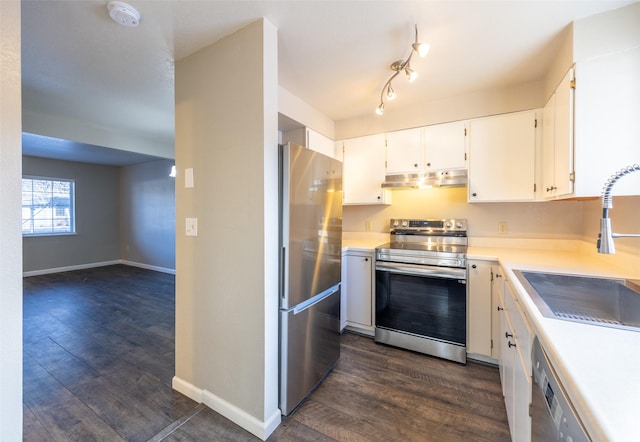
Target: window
(47,206)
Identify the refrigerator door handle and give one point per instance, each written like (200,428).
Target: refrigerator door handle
(316,299)
(284,289)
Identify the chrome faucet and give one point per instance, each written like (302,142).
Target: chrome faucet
(605,237)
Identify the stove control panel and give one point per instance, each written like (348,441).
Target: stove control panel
(435,225)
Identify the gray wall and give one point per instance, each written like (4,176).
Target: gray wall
(148,215)
(97,237)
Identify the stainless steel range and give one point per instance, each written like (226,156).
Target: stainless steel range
(421,295)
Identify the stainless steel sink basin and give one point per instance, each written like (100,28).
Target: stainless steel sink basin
(592,300)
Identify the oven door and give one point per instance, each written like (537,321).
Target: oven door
(422,300)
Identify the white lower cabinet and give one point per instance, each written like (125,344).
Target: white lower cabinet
(357,288)
(497,304)
(522,384)
(514,354)
(479,308)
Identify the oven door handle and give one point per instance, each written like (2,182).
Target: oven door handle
(422,270)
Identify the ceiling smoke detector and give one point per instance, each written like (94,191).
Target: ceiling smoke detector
(124,14)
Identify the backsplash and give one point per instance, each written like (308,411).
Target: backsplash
(625,218)
(558,219)
(567,220)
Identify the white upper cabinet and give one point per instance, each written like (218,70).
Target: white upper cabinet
(428,148)
(320,143)
(557,141)
(364,171)
(607,128)
(502,157)
(445,146)
(313,140)
(405,151)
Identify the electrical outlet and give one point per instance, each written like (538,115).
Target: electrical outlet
(191,226)
(502,227)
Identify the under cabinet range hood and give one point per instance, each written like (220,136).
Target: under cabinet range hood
(424,180)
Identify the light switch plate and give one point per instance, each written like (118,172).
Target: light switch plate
(188,178)
(191,226)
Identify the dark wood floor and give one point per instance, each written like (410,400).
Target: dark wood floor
(98,363)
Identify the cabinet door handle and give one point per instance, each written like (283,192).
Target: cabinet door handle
(500,309)
(498,275)
(474,194)
(508,335)
(511,344)
(415,165)
(366,260)
(473,266)
(379,197)
(428,164)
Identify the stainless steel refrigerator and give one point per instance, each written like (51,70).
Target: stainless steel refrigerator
(310,258)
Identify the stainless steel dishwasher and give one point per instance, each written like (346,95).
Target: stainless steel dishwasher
(553,418)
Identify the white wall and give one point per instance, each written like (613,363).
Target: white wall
(479,104)
(10,231)
(607,33)
(562,61)
(227,276)
(300,111)
(65,128)
(148,215)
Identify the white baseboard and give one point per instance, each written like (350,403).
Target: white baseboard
(70,268)
(98,264)
(186,388)
(148,267)
(253,425)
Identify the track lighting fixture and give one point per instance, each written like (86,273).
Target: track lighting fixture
(391,94)
(402,65)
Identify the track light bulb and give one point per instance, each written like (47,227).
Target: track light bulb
(411,74)
(380,109)
(422,49)
(391,94)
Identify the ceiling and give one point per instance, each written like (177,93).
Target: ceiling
(334,55)
(67,150)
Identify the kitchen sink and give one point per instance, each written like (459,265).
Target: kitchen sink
(599,301)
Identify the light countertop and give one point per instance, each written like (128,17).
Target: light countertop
(598,366)
(363,242)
